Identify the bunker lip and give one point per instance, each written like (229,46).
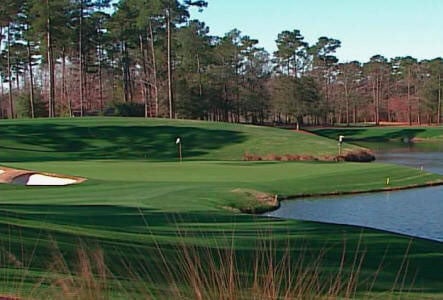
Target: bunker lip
(35,178)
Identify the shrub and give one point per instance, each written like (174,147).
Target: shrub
(128,109)
(359,156)
(23,106)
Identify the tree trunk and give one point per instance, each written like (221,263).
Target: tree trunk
(200,86)
(374,97)
(129,76)
(65,96)
(170,94)
(17,79)
(409,97)
(154,69)
(124,72)
(11,104)
(419,111)
(354,113)
(379,97)
(80,58)
(145,80)
(418,106)
(439,100)
(237,89)
(31,80)
(100,75)
(50,55)
(347,102)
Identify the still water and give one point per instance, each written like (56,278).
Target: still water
(415,212)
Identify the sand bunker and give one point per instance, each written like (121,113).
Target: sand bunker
(31,178)
(39,179)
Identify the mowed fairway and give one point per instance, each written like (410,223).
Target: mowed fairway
(141,207)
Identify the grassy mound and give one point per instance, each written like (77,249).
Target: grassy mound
(382,134)
(153,139)
(145,225)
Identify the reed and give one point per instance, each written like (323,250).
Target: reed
(226,270)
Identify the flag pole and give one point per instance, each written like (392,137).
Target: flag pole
(179,144)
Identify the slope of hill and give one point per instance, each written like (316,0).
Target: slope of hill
(153,139)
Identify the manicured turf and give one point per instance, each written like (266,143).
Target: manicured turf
(119,138)
(139,201)
(172,184)
(381,134)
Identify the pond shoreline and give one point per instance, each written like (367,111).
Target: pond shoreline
(280,198)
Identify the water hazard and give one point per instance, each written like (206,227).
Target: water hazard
(415,212)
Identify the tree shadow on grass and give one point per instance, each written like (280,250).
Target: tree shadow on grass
(359,134)
(49,142)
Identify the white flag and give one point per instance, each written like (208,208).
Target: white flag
(177,141)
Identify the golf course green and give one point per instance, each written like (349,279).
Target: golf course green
(146,225)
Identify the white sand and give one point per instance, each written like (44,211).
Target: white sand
(39,179)
(1,172)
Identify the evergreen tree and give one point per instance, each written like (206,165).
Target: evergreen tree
(291,55)
(49,22)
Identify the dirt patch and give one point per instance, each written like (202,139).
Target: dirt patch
(34,178)
(256,201)
(303,131)
(5,297)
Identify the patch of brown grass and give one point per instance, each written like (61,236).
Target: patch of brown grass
(256,201)
(251,157)
(271,269)
(354,156)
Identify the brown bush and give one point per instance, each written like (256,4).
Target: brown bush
(359,156)
(272,157)
(355,156)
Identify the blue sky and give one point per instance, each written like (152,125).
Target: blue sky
(365,27)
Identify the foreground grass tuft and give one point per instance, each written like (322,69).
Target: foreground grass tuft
(272,270)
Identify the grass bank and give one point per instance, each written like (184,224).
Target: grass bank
(144,224)
(153,139)
(382,134)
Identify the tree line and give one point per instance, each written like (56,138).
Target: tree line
(149,58)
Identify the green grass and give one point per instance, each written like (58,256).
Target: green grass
(139,208)
(381,134)
(130,182)
(153,139)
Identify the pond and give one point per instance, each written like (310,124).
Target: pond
(414,212)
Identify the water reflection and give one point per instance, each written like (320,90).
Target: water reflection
(416,212)
(429,161)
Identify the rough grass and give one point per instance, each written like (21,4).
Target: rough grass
(269,269)
(147,223)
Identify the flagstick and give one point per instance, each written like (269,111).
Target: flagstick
(179,143)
